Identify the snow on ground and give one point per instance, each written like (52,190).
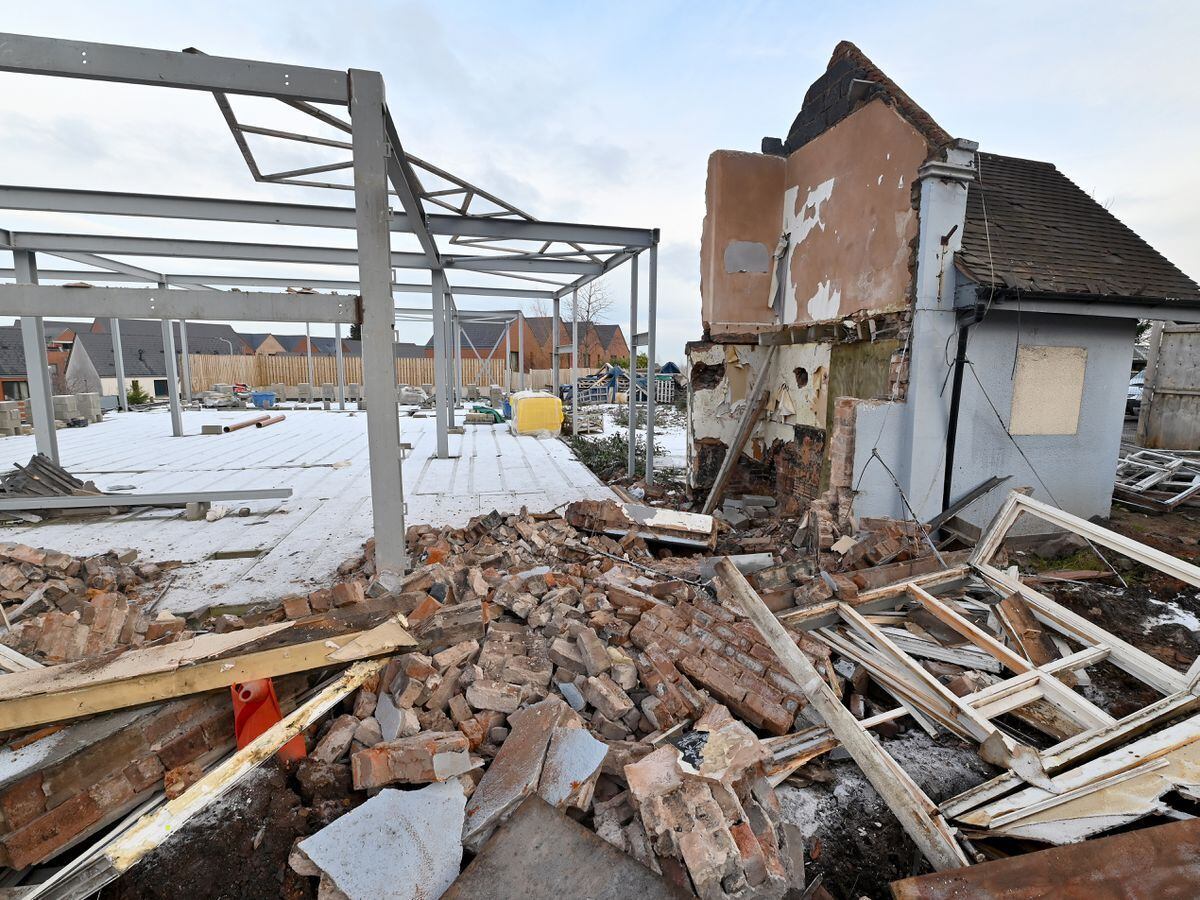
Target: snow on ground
(1173,614)
(670,429)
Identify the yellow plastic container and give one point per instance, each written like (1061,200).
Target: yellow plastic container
(536,411)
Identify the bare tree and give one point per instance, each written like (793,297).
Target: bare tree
(594,303)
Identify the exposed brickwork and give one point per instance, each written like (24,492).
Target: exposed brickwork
(726,656)
(798,470)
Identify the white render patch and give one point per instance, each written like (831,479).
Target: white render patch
(573,758)
(799,223)
(825,303)
(401,844)
(322,456)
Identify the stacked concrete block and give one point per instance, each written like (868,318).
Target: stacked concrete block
(89,407)
(354,391)
(223,389)
(10,417)
(66,407)
(279,389)
(304,392)
(328,391)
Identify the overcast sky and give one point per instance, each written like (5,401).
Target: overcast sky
(606,113)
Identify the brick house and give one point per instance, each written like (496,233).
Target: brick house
(598,343)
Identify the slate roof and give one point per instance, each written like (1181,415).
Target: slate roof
(142,354)
(255,340)
(606,333)
(830,99)
(483,336)
(12,352)
(203,337)
(1048,236)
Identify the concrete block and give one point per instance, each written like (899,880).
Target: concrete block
(212,429)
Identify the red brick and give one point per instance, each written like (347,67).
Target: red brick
(23,801)
(45,835)
(144,773)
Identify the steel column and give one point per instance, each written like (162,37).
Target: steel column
(555,340)
(37,367)
(632,405)
(438,321)
(312,376)
(458,358)
(341,369)
(185,364)
(114,326)
(507,358)
(574,357)
(168,338)
(375,276)
(651,375)
(521,346)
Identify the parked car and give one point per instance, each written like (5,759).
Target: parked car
(1133,399)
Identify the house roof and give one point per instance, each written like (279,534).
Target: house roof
(12,352)
(483,336)
(254,340)
(1031,228)
(141,354)
(605,333)
(203,337)
(834,96)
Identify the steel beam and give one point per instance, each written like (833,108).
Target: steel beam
(149,303)
(178,498)
(184,363)
(114,326)
(651,375)
(37,367)
(632,404)
(164,68)
(367,113)
(111,203)
(314,255)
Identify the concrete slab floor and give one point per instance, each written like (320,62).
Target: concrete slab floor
(285,546)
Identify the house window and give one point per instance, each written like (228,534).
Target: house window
(1047,390)
(160,387)
(16,390)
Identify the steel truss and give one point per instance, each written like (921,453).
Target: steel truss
(494,239)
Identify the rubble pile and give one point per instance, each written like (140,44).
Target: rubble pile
(577,671)
(60,608)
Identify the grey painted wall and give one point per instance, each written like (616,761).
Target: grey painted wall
(1078,468)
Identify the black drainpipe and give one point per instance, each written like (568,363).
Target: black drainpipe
(960,360)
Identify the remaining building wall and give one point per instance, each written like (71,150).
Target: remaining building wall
(848,208)
(845,201)
(1078,467)
(1170,414)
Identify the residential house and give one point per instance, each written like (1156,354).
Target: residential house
(929,304)
(92,367)
(215,338)
(598,343)
(264,344)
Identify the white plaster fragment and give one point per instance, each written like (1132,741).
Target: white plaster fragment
(799,223)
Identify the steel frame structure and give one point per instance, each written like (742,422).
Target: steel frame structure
(499,241)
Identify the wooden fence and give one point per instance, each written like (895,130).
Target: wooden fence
(292,369)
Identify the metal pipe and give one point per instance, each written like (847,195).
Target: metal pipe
(270,420)
(632,399)
(246,423)
(960,359)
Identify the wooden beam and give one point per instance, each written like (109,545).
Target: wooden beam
(756,402)
(205,663)
(131,846)
(907,801)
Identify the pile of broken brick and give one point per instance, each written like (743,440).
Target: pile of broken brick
(61,608)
